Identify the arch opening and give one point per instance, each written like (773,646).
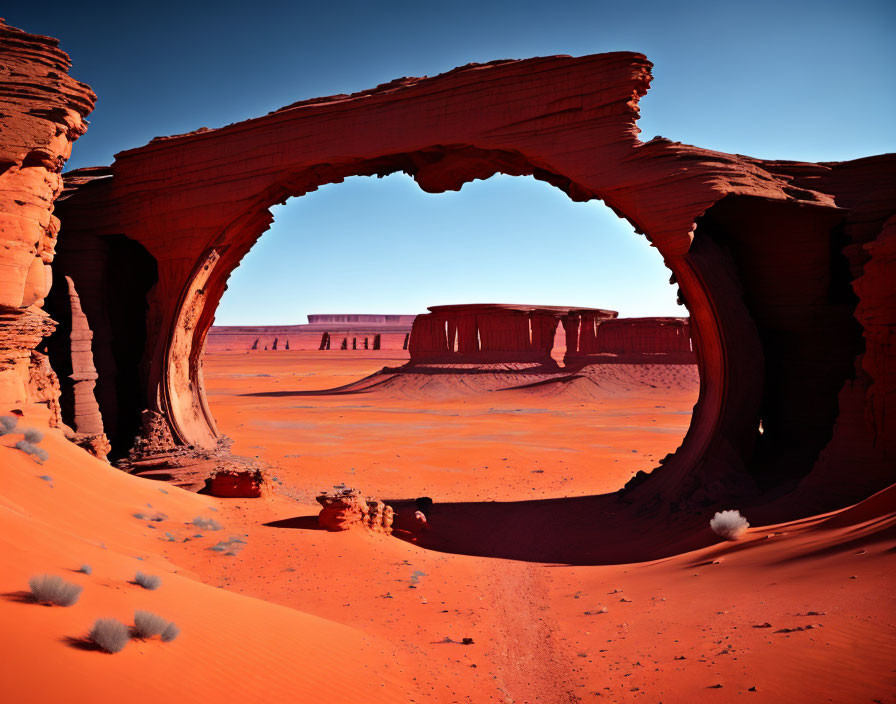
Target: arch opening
(584,233)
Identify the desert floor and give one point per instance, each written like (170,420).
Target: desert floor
(797,612)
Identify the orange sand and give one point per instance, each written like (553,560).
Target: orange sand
(359,617)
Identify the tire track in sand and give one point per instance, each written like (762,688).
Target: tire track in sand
(528,660)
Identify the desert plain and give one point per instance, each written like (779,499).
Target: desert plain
(457,611)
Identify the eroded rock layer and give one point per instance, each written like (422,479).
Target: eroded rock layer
(42,111)
(345,508)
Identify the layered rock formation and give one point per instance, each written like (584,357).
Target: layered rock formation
(42,111)
(779,263)
(345,508)
(498,332)
(647,340)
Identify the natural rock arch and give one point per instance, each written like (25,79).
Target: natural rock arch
(197,202)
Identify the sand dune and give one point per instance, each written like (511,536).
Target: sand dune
(231,647)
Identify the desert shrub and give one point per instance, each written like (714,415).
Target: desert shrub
(231,546)
(147,624)
(209,523)
(148,581)
(33,436)
(729,524)
(170,633)
(50,589)
(157,517)
(86,569)
(40,454)
(8,424)
(109,635)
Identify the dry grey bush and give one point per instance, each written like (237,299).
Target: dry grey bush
(729,524)
(109,635)
(148,624)
(170,633)
(40,454)
(209,523)
(50,589)
(156,517)
(33,436)
(8,424)
(86,569)
(148,581)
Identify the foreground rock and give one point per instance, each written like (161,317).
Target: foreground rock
(345,508)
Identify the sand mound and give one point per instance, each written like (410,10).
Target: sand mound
(75,510)
(592,382)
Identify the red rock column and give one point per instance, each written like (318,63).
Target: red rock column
(544,329)
(588,334)
(571,325)
(428,338)
(87,418)
(467,335)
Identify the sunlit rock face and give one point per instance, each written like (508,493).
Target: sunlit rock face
(42,111)
(779,263)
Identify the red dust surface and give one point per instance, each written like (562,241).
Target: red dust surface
(273,609)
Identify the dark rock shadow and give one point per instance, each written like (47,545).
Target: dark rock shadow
(588,530)
(300,522)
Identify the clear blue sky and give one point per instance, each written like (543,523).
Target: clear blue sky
(790,80)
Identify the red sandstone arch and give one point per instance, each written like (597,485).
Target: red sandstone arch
(197,203)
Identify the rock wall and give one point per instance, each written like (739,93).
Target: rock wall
(42,111)
(653,340)
(778,263)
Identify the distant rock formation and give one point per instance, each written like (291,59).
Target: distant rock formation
(647,340)
(390,330)
(482,333)
(496,332)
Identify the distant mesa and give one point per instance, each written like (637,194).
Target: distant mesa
(574,353)
(484,333)
(324,331)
